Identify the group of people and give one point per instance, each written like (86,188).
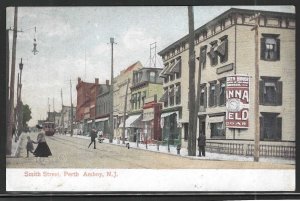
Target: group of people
(42,149)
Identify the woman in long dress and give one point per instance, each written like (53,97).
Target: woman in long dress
(42,149)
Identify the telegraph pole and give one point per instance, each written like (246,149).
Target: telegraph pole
(256,91)
(111,119)
(71,119)
(61,113)
(192,134)
(12,85)
(124,115)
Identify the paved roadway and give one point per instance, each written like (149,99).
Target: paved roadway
(72,152)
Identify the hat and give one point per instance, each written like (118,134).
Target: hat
(39,126)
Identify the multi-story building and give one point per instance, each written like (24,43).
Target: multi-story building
(120,85)
(103,108)
(225,47)
(146,84)
(86,101)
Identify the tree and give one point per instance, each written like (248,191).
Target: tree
(26,115)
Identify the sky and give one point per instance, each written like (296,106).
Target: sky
(75,42)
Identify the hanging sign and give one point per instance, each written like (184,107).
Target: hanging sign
(237,101)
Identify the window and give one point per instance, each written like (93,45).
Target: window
(143,97)
(212,54)
(178,68)
(270,91)
(171,95)
(202,97)
(203,56)
(270,47)
(217,130)
(178,94)
(152,76)
(222,49)
(222,94)
(139,99)
(166,79)
(132,101)
(166,93)
(212,94)
(270,127)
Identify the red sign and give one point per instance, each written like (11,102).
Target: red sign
(237,101)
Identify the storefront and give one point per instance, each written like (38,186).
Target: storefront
(102,125)
(133,126)
(170,128)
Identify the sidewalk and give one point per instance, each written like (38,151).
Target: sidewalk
(184,152)
(15,147)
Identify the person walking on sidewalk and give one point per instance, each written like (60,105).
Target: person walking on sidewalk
(93,137)
(29,146)
(42,150)
(201,144)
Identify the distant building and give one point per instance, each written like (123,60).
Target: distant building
(86,100)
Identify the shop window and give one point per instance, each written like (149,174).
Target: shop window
(178,94)
(270,47)
(217,130)
(222,94)
(270,127)
(213,94)
(270,91)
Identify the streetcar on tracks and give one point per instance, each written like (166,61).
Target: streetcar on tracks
(49,128)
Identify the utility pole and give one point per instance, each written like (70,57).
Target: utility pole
(62,113)
(19,101)
(125,110)
(71,119)
(12,85)
(192,134)
(7,79)
(256,91)
(111,119)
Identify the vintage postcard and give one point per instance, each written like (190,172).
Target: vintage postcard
(150,99)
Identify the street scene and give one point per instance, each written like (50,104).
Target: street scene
(178,87)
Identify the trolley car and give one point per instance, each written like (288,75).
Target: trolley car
(49,128)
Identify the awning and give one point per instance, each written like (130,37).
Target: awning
(164,97)
(148,119)
(131,120)
(167,114)
(103,119)
(89,121)
(216,119)
(176,67)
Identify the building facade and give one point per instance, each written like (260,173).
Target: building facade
(146,84)
(103,109)
(225,47)
(120,85)
(86,101)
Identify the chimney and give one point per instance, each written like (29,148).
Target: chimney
(96,80)
(107,82)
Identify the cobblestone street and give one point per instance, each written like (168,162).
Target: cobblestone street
(72,152)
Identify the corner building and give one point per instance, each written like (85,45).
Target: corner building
(224,47)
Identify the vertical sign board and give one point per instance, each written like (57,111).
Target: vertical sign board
(237,101)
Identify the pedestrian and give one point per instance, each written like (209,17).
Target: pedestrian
(201,144)
(93,137)
(29,146)
(42,149)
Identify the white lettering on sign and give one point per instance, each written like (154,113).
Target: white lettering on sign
(240,94)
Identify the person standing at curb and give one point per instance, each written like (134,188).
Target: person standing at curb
(201,144)
(93,137)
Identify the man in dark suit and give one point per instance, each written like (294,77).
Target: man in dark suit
(93,137)
(201,144)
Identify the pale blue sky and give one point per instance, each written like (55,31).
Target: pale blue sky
(64,34)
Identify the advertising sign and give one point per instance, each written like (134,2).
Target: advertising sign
(237,101)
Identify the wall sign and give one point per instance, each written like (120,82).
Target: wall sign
(237,101)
